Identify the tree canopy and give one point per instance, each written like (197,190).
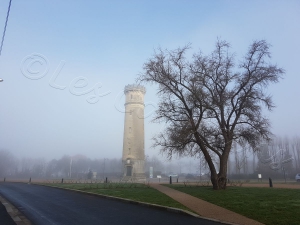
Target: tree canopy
(211,101)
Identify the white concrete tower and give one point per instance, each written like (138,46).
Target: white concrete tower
(133,142)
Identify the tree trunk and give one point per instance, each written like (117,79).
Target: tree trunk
(219,180)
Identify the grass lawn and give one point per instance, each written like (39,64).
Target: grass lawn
(274,206)
(132,191)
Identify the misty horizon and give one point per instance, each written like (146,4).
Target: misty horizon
(64,75)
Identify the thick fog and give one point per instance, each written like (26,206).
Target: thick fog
(51,48)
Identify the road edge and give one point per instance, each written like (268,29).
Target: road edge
(17,216)
(161,207)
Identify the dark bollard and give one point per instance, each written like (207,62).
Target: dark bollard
(30,180)
(106,180)
(170,180)
(4,179)
(270,182)
(62,180)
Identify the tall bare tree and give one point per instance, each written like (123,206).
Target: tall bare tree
(211,102)
(240,158)
(296,152)
(8,163)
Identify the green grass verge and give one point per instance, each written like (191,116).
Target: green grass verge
(132,191)
(267,205)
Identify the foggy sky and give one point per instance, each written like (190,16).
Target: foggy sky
(107,42)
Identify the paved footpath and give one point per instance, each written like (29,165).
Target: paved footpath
(205,209)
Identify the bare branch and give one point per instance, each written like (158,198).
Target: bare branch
(210,102)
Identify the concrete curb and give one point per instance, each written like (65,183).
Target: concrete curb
(176,210)
(14,213)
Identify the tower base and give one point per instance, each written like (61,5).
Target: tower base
(137,179)
(134,170)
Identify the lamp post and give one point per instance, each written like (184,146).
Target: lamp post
(146,162)
(200,165)
(71,161)
(104,167)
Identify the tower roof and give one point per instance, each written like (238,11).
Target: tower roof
(135,87)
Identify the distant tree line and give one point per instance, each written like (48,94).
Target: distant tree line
(278,159)
(74,167)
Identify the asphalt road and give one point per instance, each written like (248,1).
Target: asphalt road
(46,205)
(5,218)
